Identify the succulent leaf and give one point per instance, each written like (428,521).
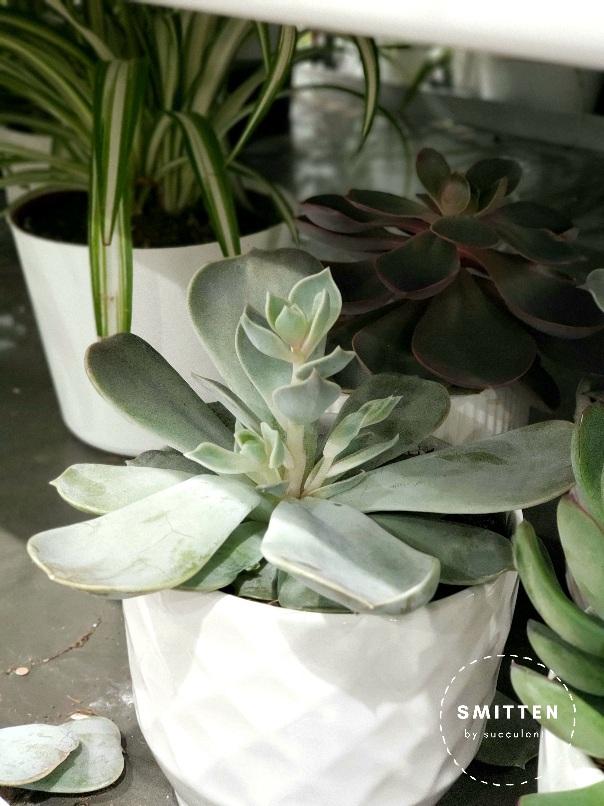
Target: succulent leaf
(454,195)
(586,796)
(295,595)
(326,366)
(595,285)
(582,539)
(433,171)
(30,752)
(264,340)
(587,454)
(231,402)
(465,230)
(430,264)
(342,554)
(486,173)
(305,401)
(577,668)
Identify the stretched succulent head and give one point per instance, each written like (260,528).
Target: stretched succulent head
(459,284)
(258,494)
(571,642)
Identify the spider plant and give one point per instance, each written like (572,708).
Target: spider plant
(141,105)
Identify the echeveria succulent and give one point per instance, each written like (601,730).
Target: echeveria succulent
(259,494)
(458,283)
(571,642)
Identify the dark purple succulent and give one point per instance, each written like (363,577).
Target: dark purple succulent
(459,283)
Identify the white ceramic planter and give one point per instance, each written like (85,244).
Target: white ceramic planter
(37,142)
(484,414)
(563,767)
(58,281)
(244,704)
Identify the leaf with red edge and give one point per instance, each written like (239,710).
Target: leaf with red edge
(454,195)
(465,230)
(422,267)
(544,301)
(384,345)
(372,240)
(489,200)
(539,245)
(532,215)
(467,339)
(488,172)
(335,213)
(432,170)
(376,201)
(362,290)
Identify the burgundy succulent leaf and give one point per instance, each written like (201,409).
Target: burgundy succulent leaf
(488,274)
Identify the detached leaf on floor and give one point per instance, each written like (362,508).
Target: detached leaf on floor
(515,750)
(30,752)
(95,764)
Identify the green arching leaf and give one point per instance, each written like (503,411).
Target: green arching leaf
(388,204)
(281,63)
(465,230)
(512,470)
(239,552)
(579,669)
(468,555)
(587,451)
(586,796)
(360,457)
(96,43)
(368,52)
(219,292)
(341,554)
(433,171)
(296,596)
(231,402)
(30,752)
(577,720)
(304,402)
(420,268)
(147,546)
(209,165)
(572,624)
(126,370)
(97,762)
(330,490)
(582,539)
(99,489)
(349,426)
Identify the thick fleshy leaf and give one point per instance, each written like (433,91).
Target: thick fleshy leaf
(465,230)
(305,294)
(539,245)
(546,302)
(578,719)
(422,408)
(150,545)
(239,552)
(582,539)
(454,195)
(143,386)
(265,373)
(99,489)
(97,762)
(532,215)
(468,555)
(422,267)
(30,752)
(512,470)
(264,339)
(165,459)
(326,366)
(219,293)
(342,554)
(584,355)
(504,751)
(231,402)
(586,796)
(337,214)
(296,596)
(587,451)
(572,624)
(577,668)
(595,285)
(488,172)
(433,171)
(388,204)
(304,402)
(362,290)
(260,583)
(371,241)
(466,339)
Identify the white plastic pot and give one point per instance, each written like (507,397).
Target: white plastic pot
(563,767)
(245,704)
(58,281)
(484,414)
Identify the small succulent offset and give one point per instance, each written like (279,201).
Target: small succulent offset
(461,284)
(258,495)
(78,756)
(571,642)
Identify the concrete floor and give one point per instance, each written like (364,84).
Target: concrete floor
(73,644)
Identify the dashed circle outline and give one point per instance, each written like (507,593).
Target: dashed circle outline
(440,715)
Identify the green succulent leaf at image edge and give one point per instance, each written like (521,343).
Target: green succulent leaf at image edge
(586,796)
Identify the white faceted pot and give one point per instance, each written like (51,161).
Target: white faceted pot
(58,280)
(245,704)
(483,414)
(563,767)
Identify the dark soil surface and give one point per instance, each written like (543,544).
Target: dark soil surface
(63,217)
